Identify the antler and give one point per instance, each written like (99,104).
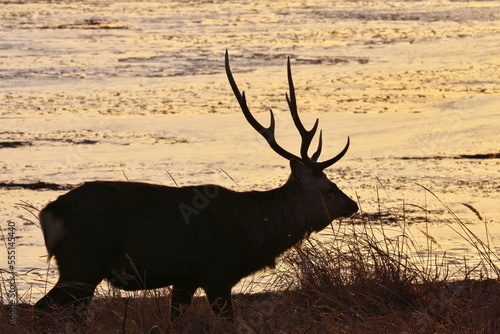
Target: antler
(268,133)
(306,136)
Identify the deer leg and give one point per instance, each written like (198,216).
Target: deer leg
(65,294)
(220,300)
(182,295)
(65,300)
(75,287)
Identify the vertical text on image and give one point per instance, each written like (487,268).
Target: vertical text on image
(11,265)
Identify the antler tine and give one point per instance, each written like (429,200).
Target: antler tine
(267,133)
(328,163)
(316,154)
(307,136)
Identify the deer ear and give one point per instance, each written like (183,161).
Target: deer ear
(299,171)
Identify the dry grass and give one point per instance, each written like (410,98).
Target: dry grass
(358,280)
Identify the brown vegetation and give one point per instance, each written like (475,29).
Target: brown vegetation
(357,280)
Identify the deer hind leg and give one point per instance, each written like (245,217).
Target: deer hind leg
(79,276)
(63,304)
(66,294)
(65,301)
(182,296)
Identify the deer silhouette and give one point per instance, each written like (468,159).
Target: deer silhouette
(146,236)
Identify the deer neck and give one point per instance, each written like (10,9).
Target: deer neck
(282,218)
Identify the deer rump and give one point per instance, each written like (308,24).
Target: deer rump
(202,236)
